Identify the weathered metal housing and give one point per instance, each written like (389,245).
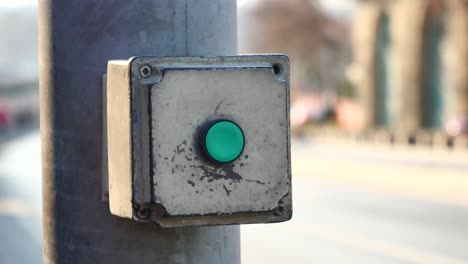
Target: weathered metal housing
(156,173)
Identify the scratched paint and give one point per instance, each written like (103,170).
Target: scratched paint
(185,187)
(187,184)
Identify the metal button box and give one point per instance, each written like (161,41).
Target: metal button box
(157,108)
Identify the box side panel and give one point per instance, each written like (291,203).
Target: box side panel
(141,144)
(119,139)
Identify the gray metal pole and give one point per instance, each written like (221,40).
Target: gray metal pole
(77,38)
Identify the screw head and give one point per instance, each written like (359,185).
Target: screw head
(280,210)
(145,71)
(143,213)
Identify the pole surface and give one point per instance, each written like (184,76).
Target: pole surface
(76,39)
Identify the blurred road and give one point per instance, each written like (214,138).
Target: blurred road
(352,204)
(369,204)
(20,200)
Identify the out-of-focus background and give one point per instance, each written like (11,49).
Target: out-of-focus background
(379,116)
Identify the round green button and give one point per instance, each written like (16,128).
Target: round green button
(224,141)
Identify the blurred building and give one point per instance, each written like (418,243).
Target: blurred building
(18,44)
(19,94)
(411,63)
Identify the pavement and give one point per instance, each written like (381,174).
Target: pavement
(353,203)
(367,203)
(20,200)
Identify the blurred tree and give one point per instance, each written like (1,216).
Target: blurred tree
(317,45)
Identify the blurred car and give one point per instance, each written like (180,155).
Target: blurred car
(312,108)
(5,118)
(457,126)
(349,115)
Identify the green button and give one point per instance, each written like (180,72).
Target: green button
(224,141)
